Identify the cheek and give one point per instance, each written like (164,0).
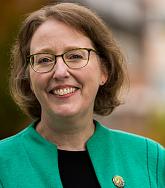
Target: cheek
(91,77)
(37,81)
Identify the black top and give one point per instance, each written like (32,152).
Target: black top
(76,170)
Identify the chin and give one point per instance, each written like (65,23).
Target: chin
(66,114)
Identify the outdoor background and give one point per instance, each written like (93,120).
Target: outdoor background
(139,26)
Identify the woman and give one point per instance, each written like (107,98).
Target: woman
(67,66)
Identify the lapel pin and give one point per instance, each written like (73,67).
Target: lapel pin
(118,181)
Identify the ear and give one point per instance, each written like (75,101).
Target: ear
(103,79)
(104,75)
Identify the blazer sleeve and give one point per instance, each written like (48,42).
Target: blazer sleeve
(155,163)
(162,158)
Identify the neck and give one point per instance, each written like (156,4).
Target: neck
(67,134)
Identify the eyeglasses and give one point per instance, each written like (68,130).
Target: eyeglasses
(75,59)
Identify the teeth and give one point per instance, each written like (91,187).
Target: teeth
(73,89)
(61,92)
(64,91)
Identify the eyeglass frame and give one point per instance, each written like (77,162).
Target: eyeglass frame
(62,55)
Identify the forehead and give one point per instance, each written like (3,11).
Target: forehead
(54,35)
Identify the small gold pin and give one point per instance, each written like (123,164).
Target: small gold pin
(118,181)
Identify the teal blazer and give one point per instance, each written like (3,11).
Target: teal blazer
(27,160)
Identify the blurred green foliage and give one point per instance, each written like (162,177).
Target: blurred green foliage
(156,123)
(11,11)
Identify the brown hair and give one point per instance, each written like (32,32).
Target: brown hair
(91,25)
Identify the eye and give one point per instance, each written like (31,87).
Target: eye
(44,60)
(75,57)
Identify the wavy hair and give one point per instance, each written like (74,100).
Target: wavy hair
(91,25)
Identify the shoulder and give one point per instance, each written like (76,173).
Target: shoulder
(130,140)
(12,144)
(130,144)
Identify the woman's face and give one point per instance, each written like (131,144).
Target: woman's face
(56,37)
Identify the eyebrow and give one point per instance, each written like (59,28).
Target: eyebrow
(49,50)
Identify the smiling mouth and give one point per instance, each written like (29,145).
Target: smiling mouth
(64,91)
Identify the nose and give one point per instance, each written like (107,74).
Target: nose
(60,69)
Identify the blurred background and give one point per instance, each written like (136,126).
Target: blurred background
(139,27)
